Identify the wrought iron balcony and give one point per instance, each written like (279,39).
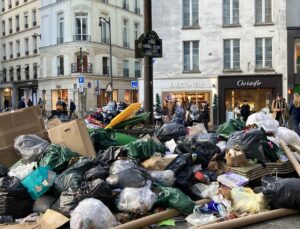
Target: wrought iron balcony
(137,73)
(80,37)
(125,72)
(84,68)
(60,71)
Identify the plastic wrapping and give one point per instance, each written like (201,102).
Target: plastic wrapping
(100,171)
(171,131)
(57,157)
(196,129)
(208,191)
(121,165)
(200,219)
(137,200)
(30,147)
(263,120)
(157,162)
(227,128)
(165,178)
(205,137)
(43,203)
(245,200)
(127,178)
(92,213)
(222,145)
(21,170)
(290,137)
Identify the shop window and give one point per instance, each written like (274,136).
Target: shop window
(231,12)
(297,56)
(264,53)
(232,54)
(263,11)
(190,56)
(190,12)
(62,93)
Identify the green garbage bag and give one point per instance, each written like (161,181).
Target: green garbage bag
(174,198)
(57,157)
(227,128)
(141,149)
(101,139)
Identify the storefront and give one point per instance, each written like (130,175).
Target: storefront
(59,93)
(28,90)
(6,92)
(258,90)
(131,96)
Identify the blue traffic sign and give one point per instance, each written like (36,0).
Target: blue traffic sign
(81,80)
(134,84)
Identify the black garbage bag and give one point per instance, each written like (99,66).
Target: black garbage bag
(171,131)
(3,171)
(57,157)
(184,179)
(205,152)
(101,139)
(131,178)
(14,199)
(283,193)
(100,171)
(109,155)
(204,137)
(183,148)
(73,176)
(180,162)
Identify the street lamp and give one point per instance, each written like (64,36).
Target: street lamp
(110,53)
(35,35)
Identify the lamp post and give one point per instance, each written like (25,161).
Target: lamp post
(81,71)
(110,53)
(35,35)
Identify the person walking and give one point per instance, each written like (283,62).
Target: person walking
(245,110)
(72,108)
(205,116)
(22,104)
(294,111)
(6,104)
(278,108)
(29,103)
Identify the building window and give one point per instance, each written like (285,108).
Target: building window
(263,11)
(10,25)
(190,13)
(26,46)
(17,2)
(3,28)
(125,34)
(35,70)
(60,66)
(34,44)
(11,74)
(125,5)
(11,50)
(104,31)
(297,56)
(27,72)
(105,66)
(34,23)
(4,75)
(263,53)
(231,12)
(26,20)
(9,4)
(191,56)
(137,69)
(4,51)
(18,48)
(137,8)
(18,72)
(232,54)
(17,23)
(126,68)
(60,28)
(81,27)
(3,6)
(82,65)
(136,30)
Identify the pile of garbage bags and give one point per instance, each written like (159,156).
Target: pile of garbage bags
(173,168)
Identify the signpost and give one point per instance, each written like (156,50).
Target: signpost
(81,80)
(134,84)
(148,44)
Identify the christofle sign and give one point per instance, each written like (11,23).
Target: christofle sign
(242,83)
(200,84)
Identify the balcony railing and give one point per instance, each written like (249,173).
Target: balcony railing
(18,54)
(60,71)
(26,26)
(10,6)
(137,73)
(19,77)
(3,9)
(26,53)
(60,40)
(27,76)
(4,57)
(104,1)
(34,23)
(137,11)
(3,34)
(17,29)
(35,51)
(35,76)
(11,56)
(80,37)
(17,3)
(10,31)
(125,6)
(78,68)
(125,72)
(126,44)
(106,71)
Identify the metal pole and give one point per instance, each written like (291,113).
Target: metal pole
(148,67)
(110,59)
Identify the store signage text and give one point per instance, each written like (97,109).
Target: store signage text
(242,83)
(187,84)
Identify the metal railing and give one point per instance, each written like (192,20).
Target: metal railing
(137,73)
(125,72)
(78,68)
(60,71)
(80,37)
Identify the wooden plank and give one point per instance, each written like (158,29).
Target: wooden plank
(290,156)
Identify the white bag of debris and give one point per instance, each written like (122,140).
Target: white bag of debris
(263,120)
(92,213)
(290,137)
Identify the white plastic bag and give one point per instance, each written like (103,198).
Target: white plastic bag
(22,171)
(137,200)
(208,191)
(30,147)
(166,177)
(121,165)
(197,129)
(290,137)
(263,120)
(171,145)
(199,219)
(222,145)
(92,213)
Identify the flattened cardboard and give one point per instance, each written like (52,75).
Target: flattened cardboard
(8,156)
(75,136)
(53,123)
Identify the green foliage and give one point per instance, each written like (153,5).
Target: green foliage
(215,102)
(158,103)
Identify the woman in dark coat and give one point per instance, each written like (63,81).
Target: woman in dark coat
(295,112)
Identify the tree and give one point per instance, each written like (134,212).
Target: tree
(215,102)
(158,104)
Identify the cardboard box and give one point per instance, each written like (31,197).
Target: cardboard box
(75,136)
(8,156)
(53,123)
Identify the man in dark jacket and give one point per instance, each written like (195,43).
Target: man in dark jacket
(22,103)
(6,103)
(245,110)
(294,111)
(72,108)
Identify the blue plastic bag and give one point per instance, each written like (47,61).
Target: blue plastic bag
(39,181)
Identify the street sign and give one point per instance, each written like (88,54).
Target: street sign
(81,80)
(148,44)
(109,88)
(134,84)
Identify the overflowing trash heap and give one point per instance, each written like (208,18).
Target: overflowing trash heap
(94,177)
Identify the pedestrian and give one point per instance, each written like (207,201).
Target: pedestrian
(22,104)
(72,108)
(206,116)
(278,109)
(286,113)
(40,103)
(294,111)
(245,110)
(237,110)
(29,103)
(59,104)
(6,104)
